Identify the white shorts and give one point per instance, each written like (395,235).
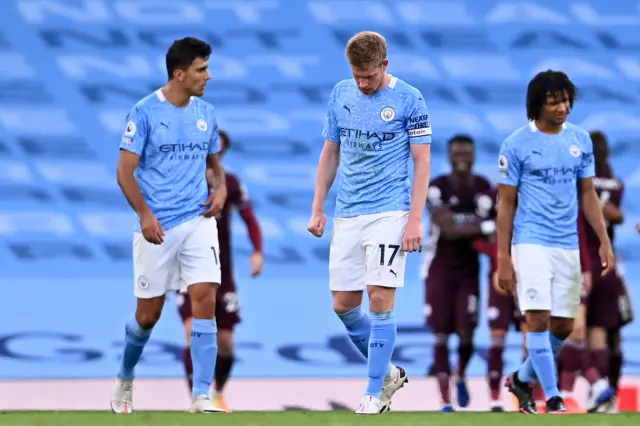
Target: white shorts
(367,250)
(188,255)
(548,279)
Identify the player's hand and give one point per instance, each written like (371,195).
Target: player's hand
(607,258)
(316,224)
(496,284)
(151,228)
(587,282)
(506,275)
(412,238)
(215,202)
(256,263)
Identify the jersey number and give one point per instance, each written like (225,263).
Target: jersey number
(393,247)
(215,255)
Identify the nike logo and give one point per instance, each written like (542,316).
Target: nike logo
(393,272)
(347,108)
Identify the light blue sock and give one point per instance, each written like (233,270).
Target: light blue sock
(526,373)
(204,349)
(358,325)
(556,344)
(541,355)
(381,344)
(135,338)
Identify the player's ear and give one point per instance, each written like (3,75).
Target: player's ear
(385,64)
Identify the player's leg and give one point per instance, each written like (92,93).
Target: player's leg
(184,310)
(466,320)
(200,271)
(153,268)
(227,317)
(440,310)
(570,360)
(614,341)
(385,267)
(534,274)
(500,313)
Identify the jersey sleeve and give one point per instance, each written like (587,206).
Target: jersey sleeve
(417,126)
(135,135)
(587,165)
(214,142)
(509,166)
(331,131)
(238,195)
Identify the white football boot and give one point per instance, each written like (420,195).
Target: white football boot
(203,404)
(122,397)
(395,380)
(369,405)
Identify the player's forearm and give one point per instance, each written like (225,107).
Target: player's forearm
(593,212)
(504,222)
(327,170)
(612,214)
(132,192)
(462,231)
(421,175)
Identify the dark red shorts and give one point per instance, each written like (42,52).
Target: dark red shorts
(502,311)
(452,301)
(608,304)
(227,306)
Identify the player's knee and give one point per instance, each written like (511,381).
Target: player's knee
(148,312)
(381,299)
(346,301)
(537,321)
(561,327)
(203,300)
(465,336)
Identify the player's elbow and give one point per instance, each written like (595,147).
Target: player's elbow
(124,173)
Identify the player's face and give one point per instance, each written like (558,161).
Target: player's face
(369,80)
(197,76)
(556,108)
(462,157)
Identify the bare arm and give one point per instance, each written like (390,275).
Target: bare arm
(506,208)
(215,172)
(421,154)
(612,214)
(593,210)
(127,164)
(327,170)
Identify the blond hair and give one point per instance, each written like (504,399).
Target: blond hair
(366,50)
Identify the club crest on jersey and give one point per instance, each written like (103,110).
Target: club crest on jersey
(202,125)
(387,114)
(575,150)
(131,129)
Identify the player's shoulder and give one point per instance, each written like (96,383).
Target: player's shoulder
(402,88)
(344,87)
(575,129)
(202,105)
(149,102)
(521,134)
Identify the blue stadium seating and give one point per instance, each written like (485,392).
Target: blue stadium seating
(71,69)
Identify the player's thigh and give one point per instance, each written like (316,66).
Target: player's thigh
(534,274)
(155,265)
(440,302)
(199,255)
(467,304)
(608,304)
(566,284)
(227,307)
(383,242)
(347,255)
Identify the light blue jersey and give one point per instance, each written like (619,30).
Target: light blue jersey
(173,144)
(546,169)
(374,133)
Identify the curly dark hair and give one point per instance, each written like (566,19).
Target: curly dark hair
(543,84)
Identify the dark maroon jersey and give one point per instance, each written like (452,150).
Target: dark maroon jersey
(609,190)
(467,203)
(237,198)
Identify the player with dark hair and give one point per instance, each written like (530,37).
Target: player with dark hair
(548,166)
(170,140)
(374,124)
(460,211)
(608,305)
(227,301)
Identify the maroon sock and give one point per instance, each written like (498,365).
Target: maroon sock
(615,368)
(570,363)
(188,366)
(598,365)
(465,352)
(442,369)
(224,365)
(495,365)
